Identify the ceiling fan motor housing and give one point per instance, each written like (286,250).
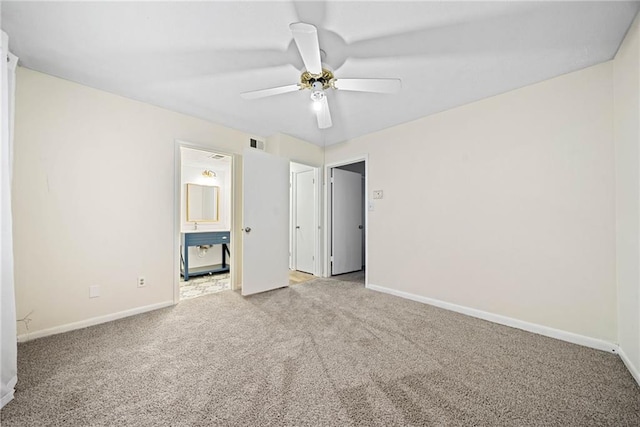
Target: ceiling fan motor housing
(307,80)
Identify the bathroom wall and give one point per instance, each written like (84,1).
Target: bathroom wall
(222,180)
(191,173)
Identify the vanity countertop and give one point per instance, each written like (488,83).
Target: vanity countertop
(204,231)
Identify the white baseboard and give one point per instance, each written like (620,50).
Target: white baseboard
(635,371)
(92,321)
(8,397)
(503,320)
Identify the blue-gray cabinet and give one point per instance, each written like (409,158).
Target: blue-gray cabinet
(222,238)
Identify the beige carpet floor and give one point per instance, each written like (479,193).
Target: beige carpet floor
(355,276)
(321,353)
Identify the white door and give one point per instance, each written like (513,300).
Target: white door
(346,221)
(305,242)
(265,217)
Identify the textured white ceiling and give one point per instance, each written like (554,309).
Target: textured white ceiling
(197,57)
(203,159)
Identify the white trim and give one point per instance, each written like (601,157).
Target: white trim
(327,212)
(635,373)
(7,397)
(11,385)
(317,219)
(317,175)
(504,320)
(177,218)
(92,321)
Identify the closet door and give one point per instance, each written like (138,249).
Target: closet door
(305,231)
(346,218)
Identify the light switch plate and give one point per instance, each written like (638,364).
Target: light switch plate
(371,206)
(377,194)
(94,291)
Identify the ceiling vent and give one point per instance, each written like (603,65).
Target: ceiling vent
(254,143)
(216,156)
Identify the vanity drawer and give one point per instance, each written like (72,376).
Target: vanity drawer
(206,238)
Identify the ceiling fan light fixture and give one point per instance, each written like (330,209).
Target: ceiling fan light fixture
(316,105)
(317,95)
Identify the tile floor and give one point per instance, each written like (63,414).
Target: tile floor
(203,285)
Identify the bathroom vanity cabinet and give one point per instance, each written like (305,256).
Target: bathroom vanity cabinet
(189,239)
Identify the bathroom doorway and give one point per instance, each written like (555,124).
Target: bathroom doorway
(205,198)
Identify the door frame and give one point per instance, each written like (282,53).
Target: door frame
(317,215)
(327,213)
(177,179)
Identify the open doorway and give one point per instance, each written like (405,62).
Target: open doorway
(347,220)
(205,198)
(304,235)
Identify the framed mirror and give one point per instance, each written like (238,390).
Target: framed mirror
(203,203)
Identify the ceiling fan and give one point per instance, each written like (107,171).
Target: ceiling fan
(318,79)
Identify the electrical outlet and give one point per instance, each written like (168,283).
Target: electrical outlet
(94,291)
(141,282)
(377,194)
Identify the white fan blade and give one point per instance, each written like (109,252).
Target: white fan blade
(369,85)
(324,116)
(254,94)
(306,37)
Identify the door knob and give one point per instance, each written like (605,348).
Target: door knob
(297,226)
(360,227)
(248,229)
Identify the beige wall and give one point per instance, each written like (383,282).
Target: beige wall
(295,149)
(505,205)
(94,198)
(627,140)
